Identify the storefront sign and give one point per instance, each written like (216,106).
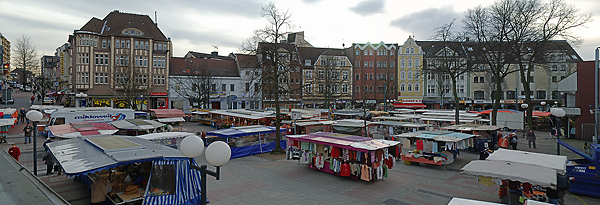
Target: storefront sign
(411,100)
(371,101)
(217,93)
(511,101)
(101,102)
(158,93)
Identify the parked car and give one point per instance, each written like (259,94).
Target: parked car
(28,89)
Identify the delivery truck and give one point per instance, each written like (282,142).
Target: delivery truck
(100,114)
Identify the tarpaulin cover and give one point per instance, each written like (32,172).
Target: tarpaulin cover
(187,191)
(244,131)
(136,124)
(514,171)
(237,152)
(172,119)
(390,123)
(557,162)
(165,135)
(347,130)
(88,133)
(461,201)
(168,113)
(79,156)
(8,122)
(61,129)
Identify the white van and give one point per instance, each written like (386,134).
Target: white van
(92,114)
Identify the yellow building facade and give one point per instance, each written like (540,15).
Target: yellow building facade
(410,73)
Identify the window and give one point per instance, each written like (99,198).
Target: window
(482,79)
(409,87)
(344,88)
(409,74)
(307,62)
(366,64)
(155,46)
(128,44)
(357,64)
(392,65)
(371,76)
(531,79)
(402,86)
(307,88)
(87,78)
(511,94)
(479,95)
(391,52)
(366,76)
(345,75)
(494,95)
(308,74)
(357,52)
(553,68)
(103,43)
(380,89)
(137,45)
(370,64)
(96,78)
(146,47)
(402,75)
(563,68)
(560,56)
(370,52)
(402,63)
(417,74)
(555,94)
(357,76)
(540,94)
(356,89)
(117,43)
(554,79)
(431,89)
(416,87)
(232,87)
(97,59)
(417,63)
(123,44)
(410,62)
(321,74)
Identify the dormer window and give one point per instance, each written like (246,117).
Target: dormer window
(132,31)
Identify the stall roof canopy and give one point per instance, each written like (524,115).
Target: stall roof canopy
(173,119)
(350,123)
(514,171)
(432,134)
(391,118)
(45,107)
(557,162)
(409,105)
(246,114)
(168,113)
(244,131)
(165,135)
(8,111)
(136,124)
(79,129)
(390,123)
(326,122)
(82,156)
(7,122)
(347,141)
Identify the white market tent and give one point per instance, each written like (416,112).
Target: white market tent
(461,201)
(511,170)
(172,119)
(557,162)
(165,135)
(136,124)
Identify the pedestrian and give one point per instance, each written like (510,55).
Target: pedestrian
(563,185)
(28,129)
(526,131)
(22,111)
(531,138)
(553,195)
(32,99)
(49,162)
(48,140)
(513,141)
(15,152)
(19,116)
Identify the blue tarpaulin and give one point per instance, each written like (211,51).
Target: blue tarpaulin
(241,147)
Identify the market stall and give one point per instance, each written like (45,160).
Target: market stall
(201,117)
(247,140)
(461,201)
(175,123)
(350,127)
(308,127)
(73,130)
(168,139)
(141,115)
(240,117)
(133,170)
(133,127)
(349,156)
(437,147)
(166,113)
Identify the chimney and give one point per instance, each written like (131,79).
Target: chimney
(214,53)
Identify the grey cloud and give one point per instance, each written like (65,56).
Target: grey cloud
(368,7)
(206,38)
(311,1)
(423,23)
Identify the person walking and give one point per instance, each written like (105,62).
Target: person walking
(48,140)
(531,138)
(28,129)
(15,152)
(22,112)
(32,99)
(513,141)
(49,162)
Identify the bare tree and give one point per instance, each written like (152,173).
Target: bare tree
(275,59)
(448,60)
(195,84)
(328,79)
(130,83)
(520,32)
(26,56)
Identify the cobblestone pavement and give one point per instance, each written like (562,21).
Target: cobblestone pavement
(270,179)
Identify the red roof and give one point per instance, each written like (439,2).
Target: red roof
(199,66)
(168,113)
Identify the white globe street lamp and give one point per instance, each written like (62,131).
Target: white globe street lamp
(558,113)
(217,154)
(34,116)
(524,106)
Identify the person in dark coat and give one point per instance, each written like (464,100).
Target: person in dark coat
(513,141)
(49,161)
(48,140)
(531,138)
(15,152)
(28,130)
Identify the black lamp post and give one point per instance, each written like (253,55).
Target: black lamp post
(558,113)
(217,154)
(34,116)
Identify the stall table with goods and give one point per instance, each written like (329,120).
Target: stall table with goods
(129,170)
(247,140)
(343,155)
(436,147)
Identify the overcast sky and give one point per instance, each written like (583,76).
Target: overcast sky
(197,25)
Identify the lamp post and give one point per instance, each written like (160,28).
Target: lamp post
(217,154)
(524,106)
(34,116)
(558,113)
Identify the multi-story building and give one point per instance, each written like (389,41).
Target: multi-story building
(327,77)
(281,82)
(249,84)
(4,51)
(120,57)
(62,76)
(374,74)
(49,65)
(410,75)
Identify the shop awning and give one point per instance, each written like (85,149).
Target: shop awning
(513,171)
(173,119)
(136,124)
(347,141)
(165,135)
(409,105)
(168,113)
(244,131)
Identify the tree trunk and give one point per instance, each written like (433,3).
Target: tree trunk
(456,103)
(527,90)
(496,101)
(277,123)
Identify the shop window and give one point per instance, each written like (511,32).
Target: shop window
(540,94)
(479,95)
(511,94)
(555,94)
(162,181)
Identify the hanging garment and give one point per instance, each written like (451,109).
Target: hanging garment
(379,172)
(304,145)
(320,148)
(335,152)
(345,170)
(487,181)
(385,171)
(406,144)
(345,154)
(419,144)
(320,162)
(365,174)
(372,156)
(434,147)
